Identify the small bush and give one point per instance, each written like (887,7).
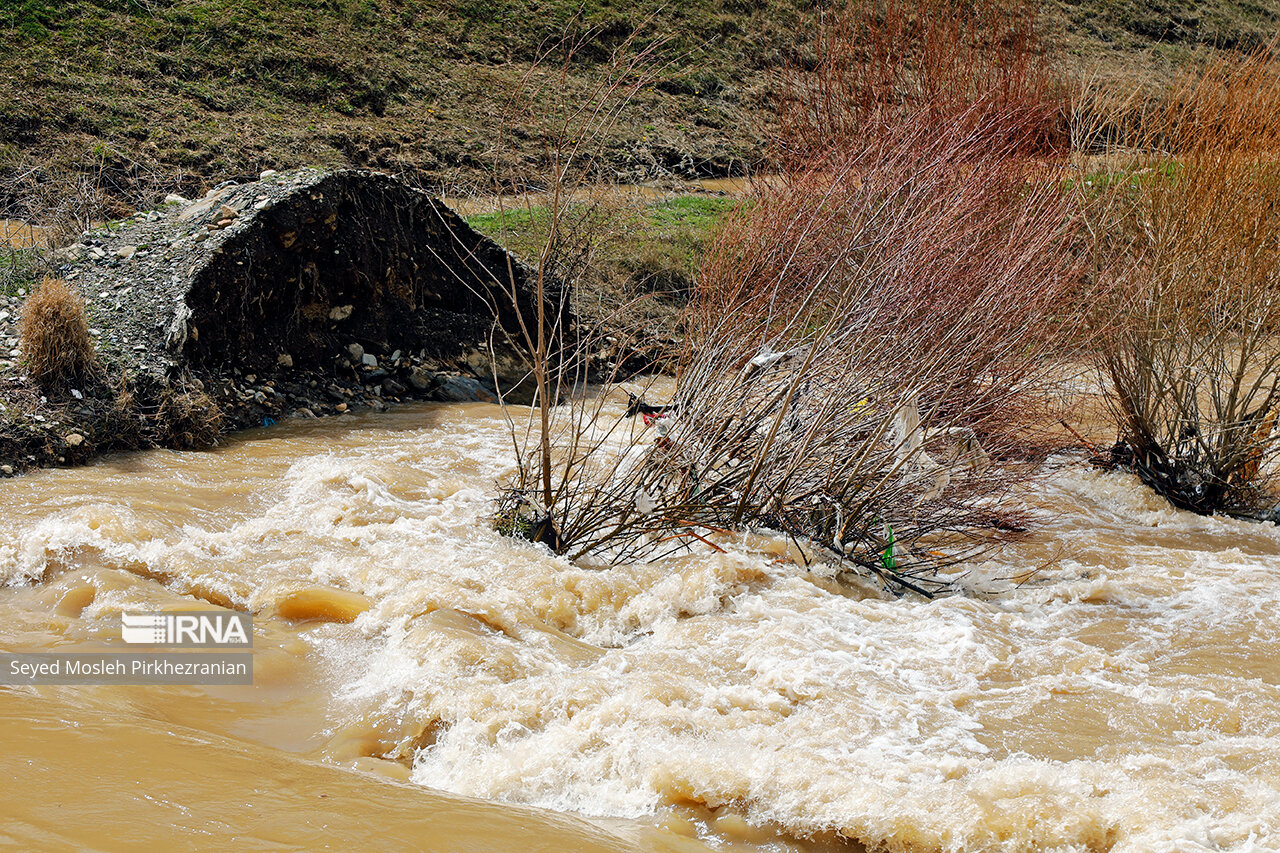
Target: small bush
(54,335)
(188,420)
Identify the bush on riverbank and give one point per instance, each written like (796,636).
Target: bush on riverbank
(1187,254)
(868,336)
(187,419)
(54,336)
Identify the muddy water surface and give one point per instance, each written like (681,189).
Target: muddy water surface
(421,681)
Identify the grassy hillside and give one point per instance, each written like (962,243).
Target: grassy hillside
(112,103)
(210,89)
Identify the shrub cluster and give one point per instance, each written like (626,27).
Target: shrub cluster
(881,342)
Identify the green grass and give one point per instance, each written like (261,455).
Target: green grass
(690,214)
(19,269)
(510,224)
(653,248)
(677,234)
(680,216)
(1098,182)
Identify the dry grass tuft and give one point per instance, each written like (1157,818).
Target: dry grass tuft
(188,420)
(54,335)
(122,421)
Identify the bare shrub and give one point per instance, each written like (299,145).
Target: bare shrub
(54,335)
(1186,239)
(569,218)
(860,352)
(869,343)
(105,183)
(886,68)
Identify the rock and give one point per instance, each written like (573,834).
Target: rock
(392,387)
(227,212)
(369,360)
(421,379)
(200,208)
(223,223)
(267,173)
(75,439)
(174,198)
(341,312)
(126,251)
(7,470)
(341,407)
(395,356)
(464,389)
(357,352)
(284,360)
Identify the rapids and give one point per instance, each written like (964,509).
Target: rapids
(422,682)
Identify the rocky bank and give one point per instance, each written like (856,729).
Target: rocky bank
(302,294)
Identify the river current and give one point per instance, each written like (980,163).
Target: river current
(422,682)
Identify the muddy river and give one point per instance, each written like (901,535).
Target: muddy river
(422,683)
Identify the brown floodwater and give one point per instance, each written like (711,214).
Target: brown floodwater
(422,683)
(15,234)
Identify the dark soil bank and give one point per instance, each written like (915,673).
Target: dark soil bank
(297,295)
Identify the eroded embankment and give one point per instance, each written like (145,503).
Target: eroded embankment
(304,293)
